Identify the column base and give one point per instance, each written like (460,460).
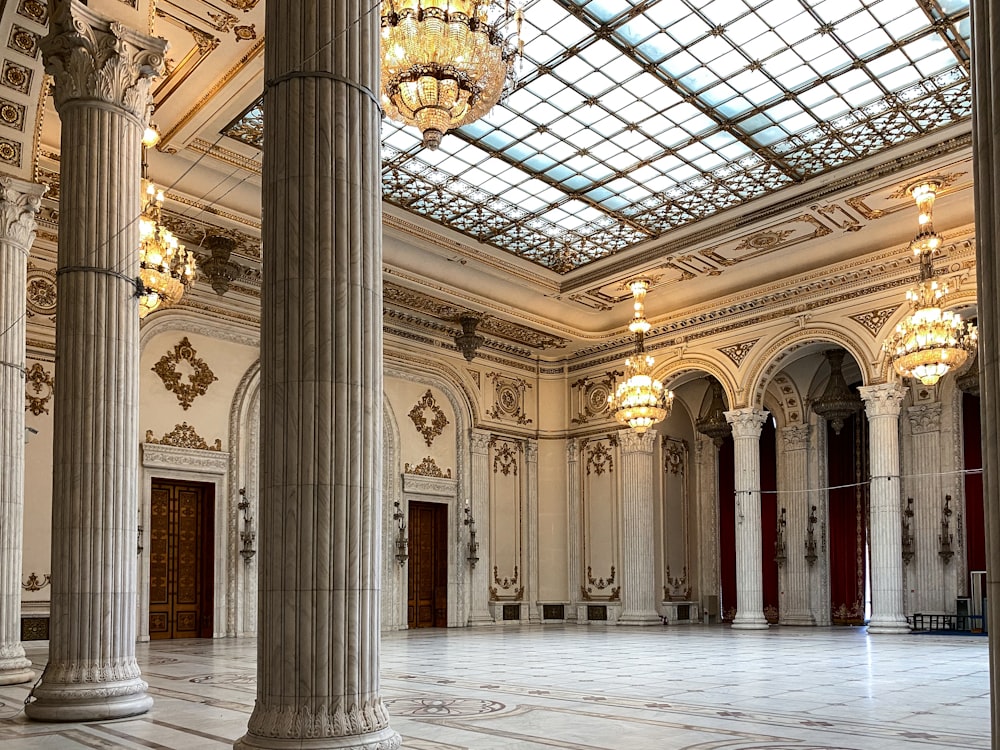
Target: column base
(481,618)
(888,626)
(798,619)
(15,675)
(640,618)
(750,622)
(89,701)
(384,739)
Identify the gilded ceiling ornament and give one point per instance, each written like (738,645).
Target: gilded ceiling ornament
(944,180)
(184,436)
(245,5)
(592,395)
(508,398)
(738,352)
(427,468)
(438,422)
(41,292)
(34,10)
(245,33)
(505,456)
(40,387)
(765,240)
(875,319)
(600,458)
(198,380)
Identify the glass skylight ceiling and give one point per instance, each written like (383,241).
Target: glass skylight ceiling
(633,118)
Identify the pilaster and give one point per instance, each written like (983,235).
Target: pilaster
(882,405)
(479,590)
(706,456)
(19,202)
(924,589)
(573,526)
(638,592)
(747,424)
(796,574)
(321,384)
(102,74)
(530,530)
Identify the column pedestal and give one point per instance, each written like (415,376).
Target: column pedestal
(19,202)
(882,404)
(638,554)
(747,424)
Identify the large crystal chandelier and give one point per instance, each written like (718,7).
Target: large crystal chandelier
(930,340)
(640,400)
(445,63)
(166,267)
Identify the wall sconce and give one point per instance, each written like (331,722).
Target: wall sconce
(401,541)
(138,541)
(908,548)
(780,549)
(811,537)
(469,521)
(248,536)
(945,538)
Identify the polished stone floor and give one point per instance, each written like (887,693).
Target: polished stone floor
(587,688)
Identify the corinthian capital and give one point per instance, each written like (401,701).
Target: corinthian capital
(924,418)
(92,58)
(746,422)
(883,400)
(634,442)
(19,202)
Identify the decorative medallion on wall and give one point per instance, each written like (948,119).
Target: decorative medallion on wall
(10,152)
(505,587)
(41,292)
(600,457)
(184,436)
(427,468)
(40,387)
(245,33)
(738,352)
(592,396)
(24,41)
(589,593)
(874,320)
(34,10)
(12,114)
(16,77)
(505,456)
(199,377)
(438,420)
(34,583)
(508,398)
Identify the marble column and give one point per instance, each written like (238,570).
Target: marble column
(321,384)
(529,529)
(882,404)
(102,75)
(479,611)
(797,501)
(986,170)
(924,579)
(573,541)
(638,519)
(19,202)
(747,424)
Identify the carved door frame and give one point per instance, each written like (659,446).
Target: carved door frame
(188,465)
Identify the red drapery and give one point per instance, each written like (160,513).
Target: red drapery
(975,521)
(847,465)
(727,530)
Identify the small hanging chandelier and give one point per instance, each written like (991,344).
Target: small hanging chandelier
(166,267)
(714,423)
(640,400)
(445,63)
(930,340)
(839,401)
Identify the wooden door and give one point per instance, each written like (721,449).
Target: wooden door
(427,589)
(181,579)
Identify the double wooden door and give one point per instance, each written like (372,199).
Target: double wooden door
(181,576)
(427,587)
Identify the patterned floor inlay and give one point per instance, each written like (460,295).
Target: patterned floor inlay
(585,688)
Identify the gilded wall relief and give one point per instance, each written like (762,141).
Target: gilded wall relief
(738,352)
(592,396)
(675,456)
(875,319)
(40,292)
(40,386)
(505,455)
(199,377)
(438,420)
(34,583)
(508,398)
(184,436)
(506,588)
(600,457)
(34,10)
(600,588)
(427,468)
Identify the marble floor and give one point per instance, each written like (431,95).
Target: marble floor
(587,688)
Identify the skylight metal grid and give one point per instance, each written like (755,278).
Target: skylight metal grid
(635,118)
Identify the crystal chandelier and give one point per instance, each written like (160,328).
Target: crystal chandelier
(714,423)
(839,401)
(166,267)
(930,340)
(640,400)
(445,63)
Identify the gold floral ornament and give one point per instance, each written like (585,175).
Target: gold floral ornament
(438,420)
(184,436)
(194,369)
(40,387)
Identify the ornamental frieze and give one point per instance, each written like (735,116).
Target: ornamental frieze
(427,468)
(198,380)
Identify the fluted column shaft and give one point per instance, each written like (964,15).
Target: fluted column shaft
(573,541)
(747,424)
(882,404)
(638,519)
(19,202)
(102,73)
(479,611)
(924,578)
(321,384)
(529,529)
(796,500)
(707,529)
(986,163)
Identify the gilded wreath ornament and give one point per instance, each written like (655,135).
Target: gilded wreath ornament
(198,381)
(438,420)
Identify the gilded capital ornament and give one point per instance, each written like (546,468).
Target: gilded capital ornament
(95,59)
(19,202)
(747,422)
